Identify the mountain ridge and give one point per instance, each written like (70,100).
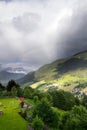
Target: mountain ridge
(6,76)
(59,67)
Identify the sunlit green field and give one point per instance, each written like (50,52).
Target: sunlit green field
(11,120)
(66,82)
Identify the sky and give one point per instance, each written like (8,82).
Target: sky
(37,32)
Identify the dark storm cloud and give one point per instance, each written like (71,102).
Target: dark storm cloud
(73,36)
(36,32)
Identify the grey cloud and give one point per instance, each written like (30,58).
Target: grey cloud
(6,0)
(73,35)
(28,22)
(24,0)
(40,35)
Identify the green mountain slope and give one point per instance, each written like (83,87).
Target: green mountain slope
(70,72)
(75,65)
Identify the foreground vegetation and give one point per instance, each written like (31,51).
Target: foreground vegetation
(10,119)
(50,110)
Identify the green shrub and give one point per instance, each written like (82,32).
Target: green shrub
(49,116)
(35,99)
(37,123)
(77,119)
(63,100)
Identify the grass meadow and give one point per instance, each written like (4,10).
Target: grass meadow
(10,119)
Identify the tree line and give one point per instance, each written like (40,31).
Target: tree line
(52,110)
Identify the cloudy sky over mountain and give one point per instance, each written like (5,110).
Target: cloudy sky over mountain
(36,32)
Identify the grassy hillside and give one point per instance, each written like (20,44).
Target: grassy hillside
(63,74)
(11,120)
(75,65)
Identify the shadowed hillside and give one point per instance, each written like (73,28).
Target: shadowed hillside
(30,77)
(72,65)
(6,76)
(70,72)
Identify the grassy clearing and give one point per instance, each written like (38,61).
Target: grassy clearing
(66,82)
(11,120)
(35,85)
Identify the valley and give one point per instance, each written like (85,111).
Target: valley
(52,93)
(66,74)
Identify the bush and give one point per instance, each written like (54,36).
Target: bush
(20,92)
(14,91)
(49,116)
(56,121)
(28,92)
(77,119)
(37,123)
(84,100)
(44,111)
(35,99)
(73,124)
(63,100)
